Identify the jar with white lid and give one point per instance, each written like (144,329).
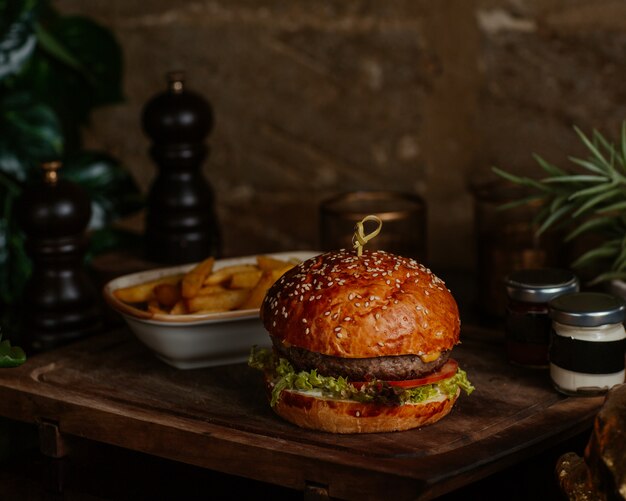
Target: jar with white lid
(588,343)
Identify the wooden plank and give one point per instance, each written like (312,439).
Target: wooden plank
(112,389)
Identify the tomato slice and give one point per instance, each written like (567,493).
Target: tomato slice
(446,371)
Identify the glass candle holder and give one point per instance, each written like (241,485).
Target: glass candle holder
(403,216)
(506,241)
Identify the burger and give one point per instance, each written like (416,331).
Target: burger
(361,344)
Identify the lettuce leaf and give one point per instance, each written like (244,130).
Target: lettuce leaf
(283,376)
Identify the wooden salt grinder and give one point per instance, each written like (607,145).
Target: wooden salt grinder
(60,303)
(181,224)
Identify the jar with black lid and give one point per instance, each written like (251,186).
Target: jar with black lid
(588,343)
(528,324)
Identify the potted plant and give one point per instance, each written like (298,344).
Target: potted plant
(54,70)
(589,198)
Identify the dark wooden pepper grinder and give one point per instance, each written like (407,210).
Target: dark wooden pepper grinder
(60,302)
(181,224)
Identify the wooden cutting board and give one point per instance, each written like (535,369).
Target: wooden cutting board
(112,389)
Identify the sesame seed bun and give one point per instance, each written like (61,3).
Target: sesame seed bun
(378,304)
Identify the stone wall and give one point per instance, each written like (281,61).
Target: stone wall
(316,97)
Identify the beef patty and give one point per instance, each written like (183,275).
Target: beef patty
(389,368)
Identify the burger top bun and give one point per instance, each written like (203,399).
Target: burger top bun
(373,305)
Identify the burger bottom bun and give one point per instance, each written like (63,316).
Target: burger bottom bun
(344,416)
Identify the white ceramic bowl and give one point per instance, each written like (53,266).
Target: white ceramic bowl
(195,340)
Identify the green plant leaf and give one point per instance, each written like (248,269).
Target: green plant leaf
(50,44)
(591,224)
(618,206)
(31,133)
(97,51)
(577,178)
(623,144)
(589,165)
(592,202)
(603,163)
(520,180)
(112,189)
(17,36)
(551,169)
(592,190)
(110,238)
(609,275)
(520,202)
(11,356)
(607,250)
(553,218)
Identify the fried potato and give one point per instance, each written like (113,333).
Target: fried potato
(203,290)
(155,307)
(144,292)
(220,301)
(167,294)
(245,279)
(225,274)
(193,280)
(179,308)
(267,263)
(210,289)
(257,294)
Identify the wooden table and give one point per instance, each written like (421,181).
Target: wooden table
(111,389)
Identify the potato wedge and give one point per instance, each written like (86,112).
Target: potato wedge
(207,290)
(167,295)
(155,307)
(220,301)
(225,274)
(267,263)
(179,308)
(245,279)
(279,272)
(144,292)
(193,279)
(257,294)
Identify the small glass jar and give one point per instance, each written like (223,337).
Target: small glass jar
(588,343)
(528,324)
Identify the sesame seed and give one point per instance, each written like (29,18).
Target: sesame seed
(377,316)
(335,316)
(350,296)
(347,319)
(337,329)
(326,313)
(307,330)
(367,303)
(339,335)
(380,343)
(372,298)
(357,304)
(357,414)
(304,320)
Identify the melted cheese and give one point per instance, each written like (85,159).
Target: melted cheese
(430,357)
